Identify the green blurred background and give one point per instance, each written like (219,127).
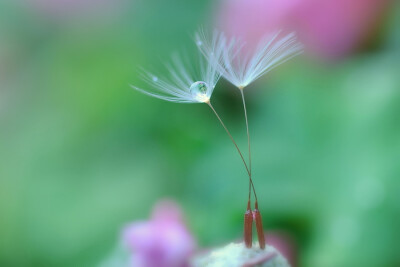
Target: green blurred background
(82,154)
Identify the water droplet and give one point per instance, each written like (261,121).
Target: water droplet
(199,91)
(155,78)
(199,43)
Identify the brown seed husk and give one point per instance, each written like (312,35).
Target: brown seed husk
(259,227)
(248,225)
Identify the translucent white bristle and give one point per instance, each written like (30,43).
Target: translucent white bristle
(241,65)
(181,79)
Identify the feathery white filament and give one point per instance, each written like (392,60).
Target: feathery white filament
(182,83)
(242,67)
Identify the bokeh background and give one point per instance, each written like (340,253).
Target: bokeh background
(82,154)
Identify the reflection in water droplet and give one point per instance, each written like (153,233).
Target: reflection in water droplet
(199,91)
(155,78)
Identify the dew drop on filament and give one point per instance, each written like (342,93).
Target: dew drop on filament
(199,91)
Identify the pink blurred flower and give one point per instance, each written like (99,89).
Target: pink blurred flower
(285,244)
(163,241)
(329,28)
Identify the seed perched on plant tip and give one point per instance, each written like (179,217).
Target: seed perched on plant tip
(248,225)
(259,226)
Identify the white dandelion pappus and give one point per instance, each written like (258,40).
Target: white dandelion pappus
(243,66)
(185,84)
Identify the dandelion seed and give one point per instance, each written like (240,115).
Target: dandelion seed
(241,66)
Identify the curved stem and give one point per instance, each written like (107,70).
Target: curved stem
(247,127)
(248,143)
(233,141)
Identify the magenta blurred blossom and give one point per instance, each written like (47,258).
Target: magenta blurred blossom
(285,244)
(162,241)
(329,27)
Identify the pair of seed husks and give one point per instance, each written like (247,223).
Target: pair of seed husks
(249,216)
(240,65)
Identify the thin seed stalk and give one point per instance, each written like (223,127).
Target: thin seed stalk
(233,140)
(248,217)
(248,145)
(256,212)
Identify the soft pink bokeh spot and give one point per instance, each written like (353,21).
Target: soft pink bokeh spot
(329,28)
(285,244)
(162,241)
